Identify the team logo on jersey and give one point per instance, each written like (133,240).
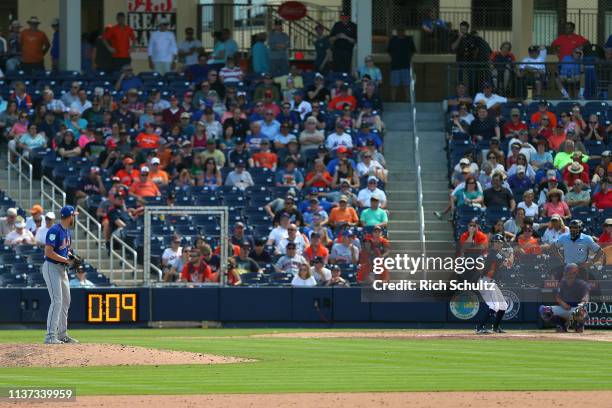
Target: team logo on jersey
(51,237)
(514,304)
(464,305)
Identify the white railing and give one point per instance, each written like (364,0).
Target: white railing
(92,234)
(125,257)
(49,191)
(21,171)
(417,161)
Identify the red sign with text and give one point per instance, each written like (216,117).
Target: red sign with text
(292,10)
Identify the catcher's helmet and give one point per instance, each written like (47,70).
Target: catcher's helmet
(497,238)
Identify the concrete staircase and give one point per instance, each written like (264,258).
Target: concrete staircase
(82,244)
(401,187)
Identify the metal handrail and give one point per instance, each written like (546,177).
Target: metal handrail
(93,231)
(54,192)
(122,258)
(26,176)
(417,160)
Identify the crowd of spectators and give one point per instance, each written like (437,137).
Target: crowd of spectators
(297,156)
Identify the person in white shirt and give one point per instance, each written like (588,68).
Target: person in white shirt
(35,220)
(299,105)
(190,49)
(40,238)
(487,96)
(162,48)
(81,104)
(321,274)
(555,229)
(172,253)
(526,148)
(363,198)
(338,138)
(304,277)
(279,233)
(530,207)
(20,236)
(533,68)
(369,166)
(81,280)
(294,236)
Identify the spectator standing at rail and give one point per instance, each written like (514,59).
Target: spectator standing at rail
(471,49)
(322,50)
(55,44)
(119,40)
(343,37)
(162,48)
(260,54)
(279,44)
(190,49)
(34,45)
(401,48)
(14,47)
(567,42)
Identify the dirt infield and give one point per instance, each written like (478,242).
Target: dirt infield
(85,355)
(442,334)
(528,399)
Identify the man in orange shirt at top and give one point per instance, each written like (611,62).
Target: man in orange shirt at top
(34,45)
(148,139)
(265,158)
(119,39)
(337,103)
(128,174)
(543,111)
(342,214)
(144,187)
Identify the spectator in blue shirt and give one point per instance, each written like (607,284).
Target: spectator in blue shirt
(341,153)
(520,181)
(290,176)
(127,80)
(260,54)
(55,43)
(269,126)
(364,135)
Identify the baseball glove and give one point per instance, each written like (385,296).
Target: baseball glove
(577,318)
(77,262)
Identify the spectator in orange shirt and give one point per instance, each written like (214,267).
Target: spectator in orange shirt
(337,103)
(319,176)
(34,45)
(543,111)
(265,158)
(157,175)
(148,139)
(316,249)
(119,39)
(342,214)
(144,187)
(473,241)
(128,174)
(528,243)
(196,270)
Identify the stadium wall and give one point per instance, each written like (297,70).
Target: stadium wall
(268,306)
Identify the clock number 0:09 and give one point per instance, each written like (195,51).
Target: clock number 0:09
(122,301)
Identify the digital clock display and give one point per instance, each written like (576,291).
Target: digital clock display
(109,307)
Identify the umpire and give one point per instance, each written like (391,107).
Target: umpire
(58,257)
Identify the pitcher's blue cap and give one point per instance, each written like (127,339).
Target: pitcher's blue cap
(67,211)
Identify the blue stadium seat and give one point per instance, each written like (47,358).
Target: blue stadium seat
(280,279)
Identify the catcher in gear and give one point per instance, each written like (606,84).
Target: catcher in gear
(571,296)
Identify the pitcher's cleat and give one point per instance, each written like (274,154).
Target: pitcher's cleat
(482,330)
(499,330)
(561,329)
(53,341)
(68,339)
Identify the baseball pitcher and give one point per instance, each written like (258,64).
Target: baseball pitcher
(58,257)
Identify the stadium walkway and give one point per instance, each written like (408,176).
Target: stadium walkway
(401,188)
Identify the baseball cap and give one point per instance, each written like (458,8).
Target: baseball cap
(36,209)
(240,163)
(375,197)
(606,153)
(372,178)
(465,160)
(608,221)
(342,149)
(68,211)
(110,143)
(185,115)
(50,215)
(318,259)
(155,160)
(343,198)
(515,111)
(11,211)
(94,169)
(19,222)
(144,170)
(555,217)
(128,160)
(239,224)
(533,48)
(520,169)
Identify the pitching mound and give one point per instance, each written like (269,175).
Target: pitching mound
(85,355)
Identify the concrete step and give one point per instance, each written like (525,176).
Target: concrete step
(430,205)
(413,225)
(415,245)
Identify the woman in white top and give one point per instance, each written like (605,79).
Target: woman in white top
(531,208)
(555,229)
(304,277)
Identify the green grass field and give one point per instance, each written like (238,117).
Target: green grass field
(327,365)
